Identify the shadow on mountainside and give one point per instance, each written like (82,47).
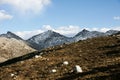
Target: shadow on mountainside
(112,71)
(29,56)
(21,58)
(113,50)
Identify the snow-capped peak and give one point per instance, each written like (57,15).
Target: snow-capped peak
(47,39)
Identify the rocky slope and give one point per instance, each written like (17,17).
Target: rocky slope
(99,59)
(11,48)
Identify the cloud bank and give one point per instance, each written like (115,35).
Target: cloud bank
(116,17)
(69,31)
(27,6)
(64,30)
(4,15)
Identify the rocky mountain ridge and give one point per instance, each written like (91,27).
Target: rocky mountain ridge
(51,38)
(48,39)
(11,35)
(84,34)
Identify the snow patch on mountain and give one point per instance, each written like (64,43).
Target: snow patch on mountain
(47,39)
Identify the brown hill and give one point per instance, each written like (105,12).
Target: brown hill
(10,48)
(99,59)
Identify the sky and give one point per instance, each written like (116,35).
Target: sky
(68,17)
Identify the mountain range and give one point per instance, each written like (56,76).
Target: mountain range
(99,59)
(51,38)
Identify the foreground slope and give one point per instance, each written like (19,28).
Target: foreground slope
(98,57)
(11,48)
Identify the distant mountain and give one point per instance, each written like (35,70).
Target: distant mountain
(84,34)
(51,38)
(111,32)
(11,48)
(11,35)
(47,39)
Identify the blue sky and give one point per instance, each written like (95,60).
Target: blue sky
(30,17)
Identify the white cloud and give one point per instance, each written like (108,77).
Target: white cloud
(4,15)
(65,30)
(116,28)
(28,34)
(103,29)
(69,31)
(116,17)
(25,6)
